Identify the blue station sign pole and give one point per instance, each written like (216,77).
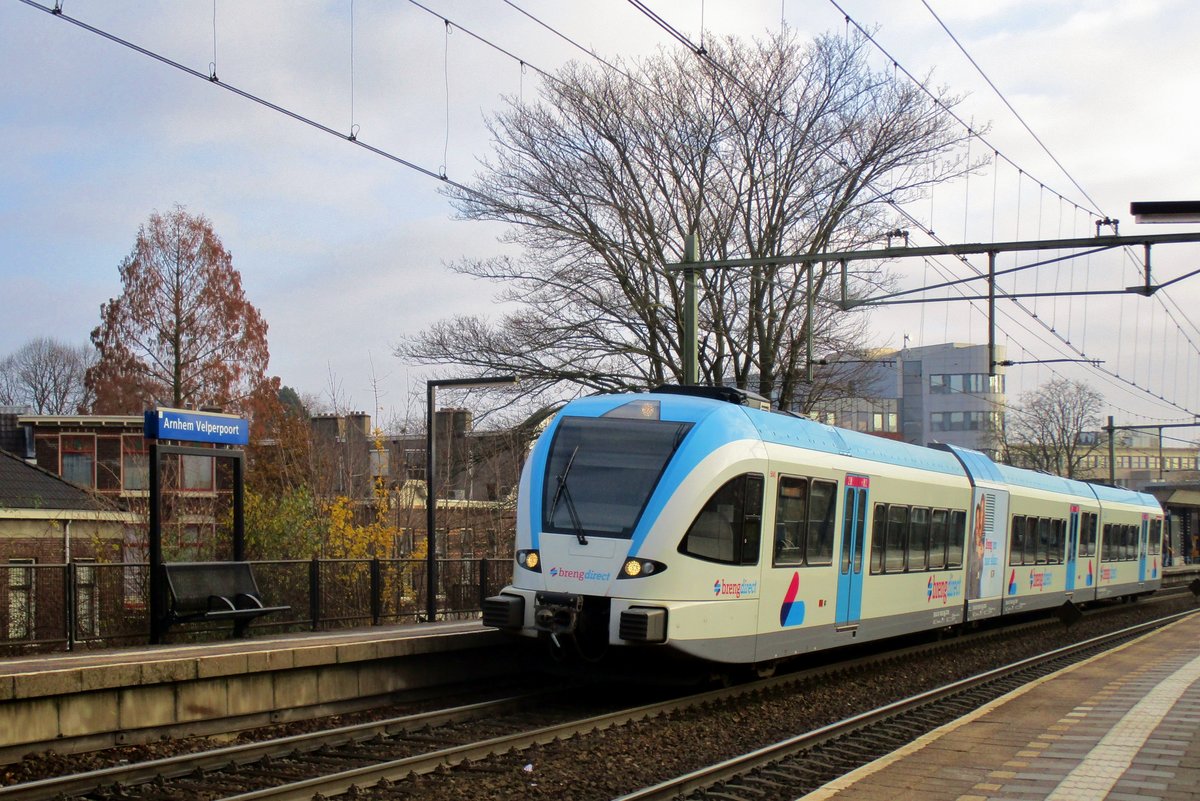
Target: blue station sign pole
(182,432)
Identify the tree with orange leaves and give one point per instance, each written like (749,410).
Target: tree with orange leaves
(181,333)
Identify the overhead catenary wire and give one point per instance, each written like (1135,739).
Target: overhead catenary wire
(1041,144)
(285,111)
(920,84)
(700,52)
(250,96)
(1017,114)
(1010,107)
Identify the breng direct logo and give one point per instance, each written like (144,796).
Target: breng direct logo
(579,575)
(943,590)
(1039,580)
(734,589)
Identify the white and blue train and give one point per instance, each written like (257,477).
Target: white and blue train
(687,520)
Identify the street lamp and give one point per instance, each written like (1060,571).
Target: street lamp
(431,575)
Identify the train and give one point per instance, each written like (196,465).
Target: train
(697,521)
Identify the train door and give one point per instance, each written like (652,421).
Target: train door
(1143,539)
(850,558)
(987,542)
(1072,548)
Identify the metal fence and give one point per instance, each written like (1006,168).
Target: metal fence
(94,605)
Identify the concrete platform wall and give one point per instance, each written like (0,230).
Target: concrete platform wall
(191,691)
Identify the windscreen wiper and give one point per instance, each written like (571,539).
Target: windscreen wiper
(562,491)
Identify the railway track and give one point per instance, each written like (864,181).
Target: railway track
(290,760)
(799,765)
(500,739)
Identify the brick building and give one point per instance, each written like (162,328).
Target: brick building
(47,523)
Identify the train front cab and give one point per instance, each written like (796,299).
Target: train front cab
(622,541)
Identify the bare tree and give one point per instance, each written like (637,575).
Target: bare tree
(47,376)
(769,148)
(1043,431)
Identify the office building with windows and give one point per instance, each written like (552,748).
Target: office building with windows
(937,393)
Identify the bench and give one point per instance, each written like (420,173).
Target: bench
(215,591)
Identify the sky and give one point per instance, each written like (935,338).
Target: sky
(345,251)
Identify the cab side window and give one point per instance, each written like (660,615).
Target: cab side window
(728,528)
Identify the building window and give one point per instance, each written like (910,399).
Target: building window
(135,464)
(135,553)
(191,545)
(414,464)
(20,599)
(197,473)
(86,617)
(79,460)
(108,463)
(46,449)
(958,383)
(964,421)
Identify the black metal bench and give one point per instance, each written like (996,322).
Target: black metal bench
(215,591)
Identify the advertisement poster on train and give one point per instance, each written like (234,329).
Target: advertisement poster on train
(985,543)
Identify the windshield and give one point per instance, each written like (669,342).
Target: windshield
(600,473)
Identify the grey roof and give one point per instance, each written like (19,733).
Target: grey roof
(12,437)
(23,486)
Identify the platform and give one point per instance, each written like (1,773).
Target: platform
(1121,726)
(99,698)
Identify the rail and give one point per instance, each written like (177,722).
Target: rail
(381,750)
(949,702)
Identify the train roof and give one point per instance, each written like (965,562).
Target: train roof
(805,433)
(1032,479)
(802,432)
(1105,492)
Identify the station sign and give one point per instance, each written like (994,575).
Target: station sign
(190,426)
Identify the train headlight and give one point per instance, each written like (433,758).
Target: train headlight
(530,560)
(640,568)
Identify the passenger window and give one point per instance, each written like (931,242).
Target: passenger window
(1107,545)
(1016,549)
(897,538)
(937,540)
(878,537)
(728,527)
(819,547)
(1031,541)
(1057,542)
(918,540)
(1087,535)
(791,511)
(958,531)
(1043,547)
